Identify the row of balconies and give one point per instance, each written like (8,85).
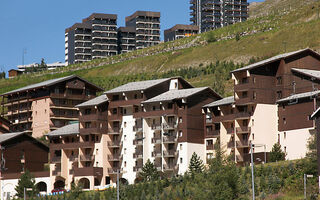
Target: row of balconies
(229,117)
(57,159)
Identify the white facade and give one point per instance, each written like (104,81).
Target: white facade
(294,143)
(8,187)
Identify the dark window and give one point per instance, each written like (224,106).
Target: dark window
(279,94)
(115,97)
(114,111)
(87,111)
(279,80)
(170,105)
(244,94)
(135,96)
(87,125)
(244,80)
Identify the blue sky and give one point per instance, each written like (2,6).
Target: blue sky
(38,25)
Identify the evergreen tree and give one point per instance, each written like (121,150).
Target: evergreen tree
(26,181)
(196,164)
(149,172)
(276,153)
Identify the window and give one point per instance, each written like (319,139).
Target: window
(254,95)
(244,94)
(87,111)
(181,160)
(125,124)
(114,111)
(279,80)
(279,94)
(170,105)
(180,146)
(125,111)
(252,136)
(285,149)
(180,133)
(87,125)
(180,119)
(115,97)
(175,85)
(135,96)
(153,108)
(209,142)
(252,122)
(125,163)
(284,121)
(244,80)
(284,135)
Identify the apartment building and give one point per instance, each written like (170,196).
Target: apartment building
(212,14)
(156,120)
(147,26)
(180,31)
(95,37)
(45,106)
(79,151)
(126,39)
(263,112)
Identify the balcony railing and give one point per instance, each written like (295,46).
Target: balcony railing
(116,157)
(114,170)
(137,128)
(115,131)
(86,157)
(56,160)
(243,144)
(156,154)
(170,125)
(115,144)
(230,130)
(138,155)
(245,129)
(213,133)
(171,167)
(93,117)
(170,139)
(138,141)
(88,171)
(156,140)
(156,127)
(210,147)
(171,153)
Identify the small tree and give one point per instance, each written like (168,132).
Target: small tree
(196,164)
(26,181)
(149,172)
(43,64)
(276,153)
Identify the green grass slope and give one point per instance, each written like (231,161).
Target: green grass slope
(276,26)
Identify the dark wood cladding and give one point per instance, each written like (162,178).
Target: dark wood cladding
(274,81)
(115,104)
(88,171)
(295,116)
(39,174)
(74,145)
(93,130)
(153,113)
(94,117)
(24,153)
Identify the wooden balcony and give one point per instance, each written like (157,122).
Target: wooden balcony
(170,139)
(171,153)
(115,117)
(86,157)
(115,131)
(244,100)
(138,155)
(243,115)
(71,145)
(114,170)
(115,144)
(224,118)
(121,103)
(88,171)
(171,125)
(243,144)
(156,140)
(115,157)
(244,86)
(93,117)
(55,160)
(243,130)
(156,154)
(138,141)
(71,96)
(230,130)
(212,133)
(170,167)
(92,130)
(137,129)
(156,127)
(156,113)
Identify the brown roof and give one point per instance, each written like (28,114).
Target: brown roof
(79,25)
(143,13)
(183,27)
(100,16)
(127,29)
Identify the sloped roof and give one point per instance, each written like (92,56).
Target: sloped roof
(71,129)
(94,102)
(176,94)
(49,83)
(299,96)
(137,86)
(273,59)
(7,136)
(307,72)
(221,102)
(10,136)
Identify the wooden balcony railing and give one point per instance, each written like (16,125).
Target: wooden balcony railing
(86,157)
(244,129)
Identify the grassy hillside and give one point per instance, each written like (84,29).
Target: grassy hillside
(282,26)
